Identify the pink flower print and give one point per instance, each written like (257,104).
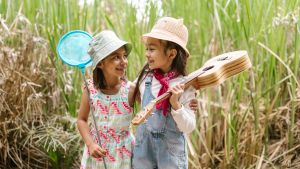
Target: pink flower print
(133,142)
(123,83)
(103,109)
(123,150)
(113,134)
(126,107)
(124,134)
(115,106)
(102,140)
(103,136)
(126,151)
(120,154)
(110,157)
(98,159)
(96,139)
(93,91)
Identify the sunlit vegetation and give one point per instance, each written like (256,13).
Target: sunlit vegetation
(250,121)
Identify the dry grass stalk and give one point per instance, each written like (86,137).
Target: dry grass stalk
(32,129)
(251,147)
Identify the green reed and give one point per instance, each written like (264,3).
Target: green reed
(240,112)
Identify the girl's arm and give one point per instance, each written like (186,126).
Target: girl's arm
(182,114)
(83,127)
(131,93)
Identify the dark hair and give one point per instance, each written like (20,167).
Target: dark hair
(99,79)
(178,64)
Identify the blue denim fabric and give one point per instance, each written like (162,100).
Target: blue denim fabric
(159,143)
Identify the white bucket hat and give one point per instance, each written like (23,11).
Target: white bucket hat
(103,44)
(170,29)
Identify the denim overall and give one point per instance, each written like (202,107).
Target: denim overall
(159,143)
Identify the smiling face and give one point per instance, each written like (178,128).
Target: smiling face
(115,64)
(157,56)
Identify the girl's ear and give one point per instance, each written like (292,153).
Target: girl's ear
(100,65)
(172,53)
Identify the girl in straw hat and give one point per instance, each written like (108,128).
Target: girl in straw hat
(161,140)
(109,96)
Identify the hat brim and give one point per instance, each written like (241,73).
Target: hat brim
(163,35)
(110,48)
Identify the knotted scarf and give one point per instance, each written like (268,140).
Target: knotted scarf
(164,81)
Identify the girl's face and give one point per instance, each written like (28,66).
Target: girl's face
(156,55)
(115,64)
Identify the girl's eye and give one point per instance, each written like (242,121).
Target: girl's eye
(150,49)
(117,57)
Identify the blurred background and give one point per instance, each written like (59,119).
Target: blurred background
(252,120)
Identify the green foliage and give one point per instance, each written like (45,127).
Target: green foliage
(240,114)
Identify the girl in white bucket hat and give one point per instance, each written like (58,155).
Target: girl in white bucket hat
(109,96)
(161,140)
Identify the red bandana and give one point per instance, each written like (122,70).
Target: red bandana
(164,81)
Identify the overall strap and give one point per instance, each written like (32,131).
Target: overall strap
(148,80)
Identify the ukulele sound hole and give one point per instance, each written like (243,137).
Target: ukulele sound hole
(223,58)
(207,68)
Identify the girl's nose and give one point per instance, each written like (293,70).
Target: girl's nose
(147,53)
(124,60)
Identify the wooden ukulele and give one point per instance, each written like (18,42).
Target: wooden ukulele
(215,71)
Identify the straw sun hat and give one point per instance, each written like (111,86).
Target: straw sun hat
(103,44)
(170,29)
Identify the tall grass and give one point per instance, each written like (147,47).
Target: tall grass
(251,120)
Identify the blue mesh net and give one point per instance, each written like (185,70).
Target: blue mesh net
(72,48)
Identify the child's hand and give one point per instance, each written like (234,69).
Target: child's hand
(96,151)
(194,105)
(176,93)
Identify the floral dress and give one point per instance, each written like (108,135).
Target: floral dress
(113,115)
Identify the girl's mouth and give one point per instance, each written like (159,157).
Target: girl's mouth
(120,69)
(150,61)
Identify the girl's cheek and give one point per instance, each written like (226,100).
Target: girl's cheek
(126,63)
(147,53)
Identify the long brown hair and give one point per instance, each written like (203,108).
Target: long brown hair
(178,64)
